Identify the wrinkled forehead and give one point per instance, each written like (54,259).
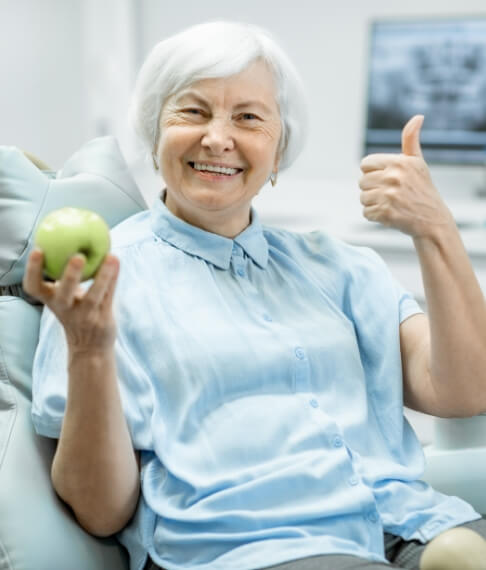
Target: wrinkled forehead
(254,85)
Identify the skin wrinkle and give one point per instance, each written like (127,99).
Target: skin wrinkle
(283,142)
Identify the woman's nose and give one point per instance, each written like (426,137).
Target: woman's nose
(218,136)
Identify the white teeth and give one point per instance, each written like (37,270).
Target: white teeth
(219,169)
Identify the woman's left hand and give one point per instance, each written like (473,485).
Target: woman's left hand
(397,189)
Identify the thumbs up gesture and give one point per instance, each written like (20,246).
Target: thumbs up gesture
(397,190)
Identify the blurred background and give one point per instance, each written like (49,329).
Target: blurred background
(68,67)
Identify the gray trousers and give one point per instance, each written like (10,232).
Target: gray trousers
(402,554)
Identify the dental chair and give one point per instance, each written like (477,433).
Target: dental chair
(37,530)
(456,460)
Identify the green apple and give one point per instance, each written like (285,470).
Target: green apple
(70,231)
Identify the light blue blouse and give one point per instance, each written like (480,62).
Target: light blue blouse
(261,378)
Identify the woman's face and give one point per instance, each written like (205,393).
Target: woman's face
(218,146)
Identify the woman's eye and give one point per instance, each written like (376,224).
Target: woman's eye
(193,111)
(248,116)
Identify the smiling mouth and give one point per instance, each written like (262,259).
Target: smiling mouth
(214,170)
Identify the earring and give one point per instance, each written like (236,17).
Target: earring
(273,178)
(156,166)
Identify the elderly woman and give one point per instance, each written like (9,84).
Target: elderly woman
(237,402)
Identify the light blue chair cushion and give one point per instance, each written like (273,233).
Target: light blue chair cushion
(96,177)
(37,531)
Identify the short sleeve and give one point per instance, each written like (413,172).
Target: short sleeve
(50,383)
(407,304)
(375,295)
(377,304)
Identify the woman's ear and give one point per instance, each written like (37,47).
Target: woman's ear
(155,150)
(276,162)
(274,174)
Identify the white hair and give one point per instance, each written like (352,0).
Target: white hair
(215,50)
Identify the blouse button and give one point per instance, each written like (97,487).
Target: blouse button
(373,516)
(314,403)
(241,272)
(353,480)
(299,353)
(338,442)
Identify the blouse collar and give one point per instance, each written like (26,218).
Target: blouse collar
(214,248)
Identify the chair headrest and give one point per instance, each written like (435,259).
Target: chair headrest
(96,177)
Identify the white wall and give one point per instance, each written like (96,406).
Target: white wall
(41,88)
(67,68)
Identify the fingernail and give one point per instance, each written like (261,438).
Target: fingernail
(78,260)
(36,255)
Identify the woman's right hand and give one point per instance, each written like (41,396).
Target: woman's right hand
(86,315)
(94,430)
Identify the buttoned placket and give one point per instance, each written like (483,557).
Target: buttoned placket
(337,440)
(238,261)
(239,266)
(301,370)
(303,383)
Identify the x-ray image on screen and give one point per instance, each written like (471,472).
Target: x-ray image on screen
(436,68)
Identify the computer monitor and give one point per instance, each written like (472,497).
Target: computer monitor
(434,67)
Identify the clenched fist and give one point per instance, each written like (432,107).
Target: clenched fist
(397,190)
